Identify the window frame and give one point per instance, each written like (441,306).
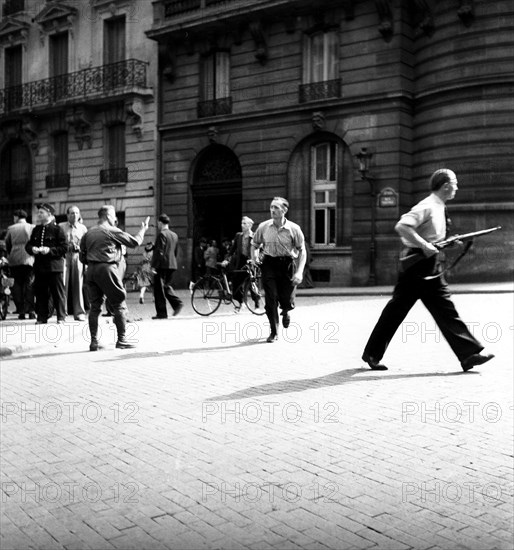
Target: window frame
(326,185)
(329,54)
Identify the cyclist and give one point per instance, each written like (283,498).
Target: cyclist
(239,254)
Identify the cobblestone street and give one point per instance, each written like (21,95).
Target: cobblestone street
(205,436)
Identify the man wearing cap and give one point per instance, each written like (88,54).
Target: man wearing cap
(74,269)
(21,264)
(164,264)
(283,246)
(47,244)
(100,249)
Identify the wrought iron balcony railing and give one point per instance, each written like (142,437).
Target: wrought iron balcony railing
(104,80)
(215,107)
(114,175)
(57,181)
(11,7)
(320,90)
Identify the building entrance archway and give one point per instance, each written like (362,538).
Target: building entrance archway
(217,194)
(15,181)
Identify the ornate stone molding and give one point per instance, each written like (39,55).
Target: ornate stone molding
(212,134)
(13,31)
(424,17)
(29,129)
(318,120)
(261,45)
(80,119)
(466,12)
(134,112)
(56,16)
(385,14)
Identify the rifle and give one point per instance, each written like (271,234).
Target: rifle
(412,259)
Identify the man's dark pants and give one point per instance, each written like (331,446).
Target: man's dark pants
(103,280)
(23,289)
(163,290)
(435,296)
(46,284)
(278,288)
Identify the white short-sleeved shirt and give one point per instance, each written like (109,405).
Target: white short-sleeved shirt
(286,240)
(428,218)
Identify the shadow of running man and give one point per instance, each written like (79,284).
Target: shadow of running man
(333,379)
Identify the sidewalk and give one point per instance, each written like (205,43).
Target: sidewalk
(22,337)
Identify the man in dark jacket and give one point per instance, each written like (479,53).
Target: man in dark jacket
(101,250)
(48,245)
(164,264)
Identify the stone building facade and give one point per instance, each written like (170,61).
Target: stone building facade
(345,107)
(77,108)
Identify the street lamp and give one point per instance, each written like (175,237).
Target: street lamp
(364,156)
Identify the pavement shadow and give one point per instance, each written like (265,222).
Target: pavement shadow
(172,352)
(333,379)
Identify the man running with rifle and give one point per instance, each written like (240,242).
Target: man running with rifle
(419,229)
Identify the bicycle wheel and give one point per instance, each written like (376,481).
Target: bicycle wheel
(207,295)
(4,307)
(254,295)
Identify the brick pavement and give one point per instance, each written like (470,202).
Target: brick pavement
(203,437)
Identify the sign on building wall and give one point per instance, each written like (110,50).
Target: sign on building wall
(387,198)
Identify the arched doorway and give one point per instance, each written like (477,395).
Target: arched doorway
(15,181)
(217,194)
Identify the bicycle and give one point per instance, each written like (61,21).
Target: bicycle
(211,290)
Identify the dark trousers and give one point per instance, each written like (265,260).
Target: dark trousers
(278,288)
(46,285)
(163,290)
(103,279)
(23,289)
(435,296)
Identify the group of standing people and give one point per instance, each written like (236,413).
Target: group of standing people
(67,269)
(43,260)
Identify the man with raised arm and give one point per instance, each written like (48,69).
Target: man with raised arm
(100,249)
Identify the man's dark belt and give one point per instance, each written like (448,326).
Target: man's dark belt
(281,258)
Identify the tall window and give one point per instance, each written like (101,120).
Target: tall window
(59,64)
(324,185)
(58,166)
(320,67)
(215,76)
(116,145)
(215,84)
(13,77)
(60,153)
(321,56)
(114,40)
(115,171)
